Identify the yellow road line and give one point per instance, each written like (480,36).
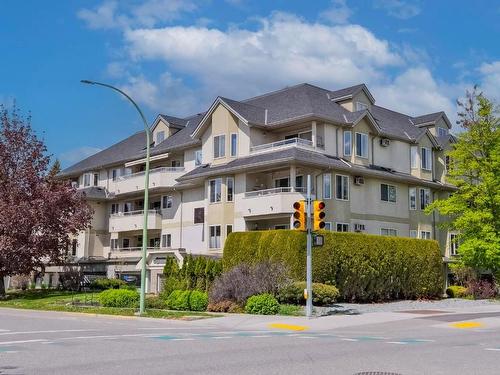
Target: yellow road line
(290,327)
(465,325)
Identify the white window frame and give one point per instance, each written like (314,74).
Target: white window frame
(232,189)
(217,192)
(198,158)
(87,179)
(442,132)
(347,145)
(424,237)
(359,153)
(413,233)
(414,157)
(454,245)
(166,240)
(114,244)
(157,140)
(393,232)
(412,192)
(343,225)
(227,226)
(388,193)
(216,244)
(115,173)
(233,152)
(426,164)
(426,192)
(346,179)
(327,193)
(328,225)
(221,150)
(115,208)
(168,199)
(360,106)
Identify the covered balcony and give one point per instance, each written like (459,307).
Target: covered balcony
(158,177)
(134,220)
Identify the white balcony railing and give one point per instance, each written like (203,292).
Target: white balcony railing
(136,212)
(260,193)
(131,249)
(151,172)
(292,142)
(134,220)
(159,177)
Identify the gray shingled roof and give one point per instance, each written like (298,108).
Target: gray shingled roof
(428,118)
(353,90)
(175,122)
(396,124)
(251,113)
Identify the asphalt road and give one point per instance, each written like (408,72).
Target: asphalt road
(414,343)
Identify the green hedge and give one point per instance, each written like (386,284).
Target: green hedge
(119,298)
(456,291)
(322,294)
(187,300)
(104,284)
(262,304)
(363,267)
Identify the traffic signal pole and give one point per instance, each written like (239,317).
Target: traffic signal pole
(309,249)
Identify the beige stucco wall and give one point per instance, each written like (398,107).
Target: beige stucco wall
(395,156)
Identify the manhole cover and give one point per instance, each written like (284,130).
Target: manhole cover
(376,373)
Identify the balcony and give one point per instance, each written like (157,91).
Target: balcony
(158,177)
(286,143)
(133,220)
(277,201)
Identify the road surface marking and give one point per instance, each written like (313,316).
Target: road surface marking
(4,330)
(409,341)
(259,336)
(51,331)
(397,342)
(493,349)
(290,327)
(466,325)
(21,342)
(370,338)
(306,337)
(185,339)
(221,337)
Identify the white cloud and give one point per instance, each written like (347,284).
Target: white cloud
(111,14)
(338,13)
(490,80)
(401,9)
(73,156)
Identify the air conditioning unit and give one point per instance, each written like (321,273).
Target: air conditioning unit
(359,227)
(385,142)
(359,180)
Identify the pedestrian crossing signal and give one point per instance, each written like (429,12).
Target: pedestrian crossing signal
(299,215)
(319,215)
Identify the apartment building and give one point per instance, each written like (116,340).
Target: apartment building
(240,165)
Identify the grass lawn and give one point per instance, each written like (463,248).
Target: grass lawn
(50,300)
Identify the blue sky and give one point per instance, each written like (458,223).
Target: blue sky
(176,56)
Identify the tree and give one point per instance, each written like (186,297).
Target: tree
(38,211)
(474,209)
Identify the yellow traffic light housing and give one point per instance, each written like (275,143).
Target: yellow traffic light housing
(299,216)
(319,215)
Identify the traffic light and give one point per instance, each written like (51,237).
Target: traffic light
(319,215)
(299,216)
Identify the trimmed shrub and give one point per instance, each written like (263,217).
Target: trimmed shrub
(363,267)
(456,291)
(119,298)
(262,304)
(198,301)
(322,294)
(197,273)
(155,302)
(104,284)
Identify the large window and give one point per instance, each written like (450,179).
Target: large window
(414,157)
(327,186)
(234,144)
(342,227)
(362,145)
(114,208)
(166,240)
(86,179)
(453,244)
(388,232)
(230,189)
(160,137)
(347,143)
(342,187)
(426,158)
(215,190)
(214,242)
(412,192)
(167,201)
(115,173)
(198,157)
(219,146)
(388,193)
(425,198)
(425,235)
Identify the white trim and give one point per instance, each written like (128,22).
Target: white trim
(220,237)
(389,229)
(227,190)
(388,195)
(428,158)
(231,145)
(367,145)
(348,187)
(210,191)
(330,190)
(329,223)
(412,188)
(343,143)
(337,223)
(415,232)
(213,145)
(425,231)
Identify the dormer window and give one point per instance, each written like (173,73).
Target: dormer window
(219,146)
(90,179)
(160,137)
(361,106)
(362,145)
(442,132)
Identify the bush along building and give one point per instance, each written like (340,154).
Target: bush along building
(241,165)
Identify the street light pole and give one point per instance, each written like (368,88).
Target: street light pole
(146,191)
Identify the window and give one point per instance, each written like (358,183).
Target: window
(281,182)
(198,157)
(139,241)
(362,145)
(96,179)
(125,243)
(342,190)
(74,245)
(327,186)
(412,192)
(127,171)
(388,232)
(453,244)
(328,226)
(215,190)
(442,132)
(114,208)
(214,242)
(234,144)
(230,189)
(342,227)
(114,244)
(413,233)
(425,235)
(127,207)
(426,155)
(154,242)
(160,137)
(347,143)
(447,163)
(388,193)
(281,226)
(166,240)
(229,229)
(155,205)
(167,201)
(299,181)
(86,179)
(175,163)
(199,215)
(361,106)
(414,157)
(115,173)
(219,146)
(425,198)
